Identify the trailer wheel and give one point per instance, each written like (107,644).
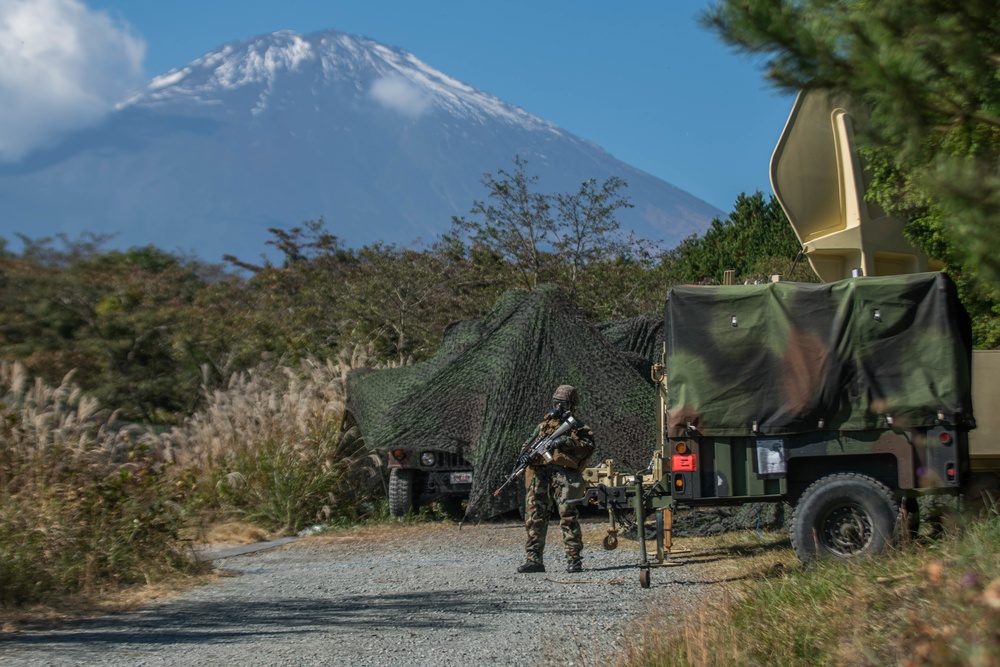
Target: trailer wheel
(401,492)
(644,577)
(844,516)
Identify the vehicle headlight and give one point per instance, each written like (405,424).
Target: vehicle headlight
(427,458)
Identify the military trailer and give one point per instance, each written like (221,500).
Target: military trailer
(848,399)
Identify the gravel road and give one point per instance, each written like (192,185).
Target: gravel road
(389,595)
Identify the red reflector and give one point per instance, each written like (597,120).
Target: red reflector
(950,472)
(399,454)
(683,463)
(944,437)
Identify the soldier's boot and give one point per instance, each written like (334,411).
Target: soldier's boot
(531,566)
(574,565)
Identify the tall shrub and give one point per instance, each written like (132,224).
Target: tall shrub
(83,506)
(269,448)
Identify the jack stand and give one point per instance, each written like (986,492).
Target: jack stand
(640,519)
(610,542)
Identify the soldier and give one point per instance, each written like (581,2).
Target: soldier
(557,481)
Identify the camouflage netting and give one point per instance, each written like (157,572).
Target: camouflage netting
(640,339)
(795,357)
(490,383)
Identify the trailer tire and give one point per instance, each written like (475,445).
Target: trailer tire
(844,516)
(401,495)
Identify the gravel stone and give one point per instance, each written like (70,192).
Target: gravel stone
(406,595)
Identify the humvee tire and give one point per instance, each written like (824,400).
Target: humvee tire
(401,492)
(844,516)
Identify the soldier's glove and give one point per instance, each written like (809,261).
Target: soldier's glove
(558,442)
(524,459)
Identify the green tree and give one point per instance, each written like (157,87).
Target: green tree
(927,70)
(586,230)
(128,323)
(755,240)
(517,233)
(515,224)
(901,195)
(573,239)
(294,310)
(324,297)
(400,300)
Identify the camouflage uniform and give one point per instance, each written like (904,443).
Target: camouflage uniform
(553,483)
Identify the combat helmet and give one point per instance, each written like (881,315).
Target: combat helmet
(567,393)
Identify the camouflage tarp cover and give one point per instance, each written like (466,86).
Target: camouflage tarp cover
(788,355)
(491,382)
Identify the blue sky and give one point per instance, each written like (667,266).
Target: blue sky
(642,78)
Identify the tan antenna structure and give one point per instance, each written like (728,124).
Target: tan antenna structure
(819,179)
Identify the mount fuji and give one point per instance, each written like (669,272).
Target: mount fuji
(284,128)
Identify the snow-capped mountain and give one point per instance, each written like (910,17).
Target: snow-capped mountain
(285,128)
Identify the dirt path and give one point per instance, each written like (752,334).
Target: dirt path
(389,595)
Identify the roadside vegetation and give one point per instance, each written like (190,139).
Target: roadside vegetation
(926,603)
(268,450)
(90,505)
(84,506)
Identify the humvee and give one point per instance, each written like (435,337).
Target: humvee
(420,477)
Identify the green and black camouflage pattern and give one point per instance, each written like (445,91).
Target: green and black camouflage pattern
(640,339)
(792,357)
(548,490)
(481,394)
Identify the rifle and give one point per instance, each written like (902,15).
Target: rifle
(540,446)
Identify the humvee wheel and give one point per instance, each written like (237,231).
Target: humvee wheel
(610,542)
(644,577)
(844,516)
(401,492)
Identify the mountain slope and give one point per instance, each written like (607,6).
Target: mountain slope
(284,128)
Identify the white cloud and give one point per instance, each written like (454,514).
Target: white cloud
(398,94)
(63,66)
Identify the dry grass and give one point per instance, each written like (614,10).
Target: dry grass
(268,450)
(89,508)
(85,507)
(112,601)
(924,604)
(226,532)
